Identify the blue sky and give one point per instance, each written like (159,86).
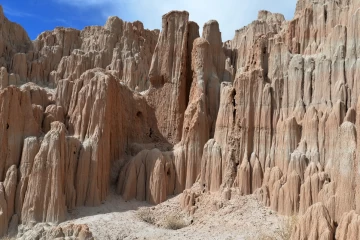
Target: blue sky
(37,16)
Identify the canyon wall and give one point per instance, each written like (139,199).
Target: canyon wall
(273,112)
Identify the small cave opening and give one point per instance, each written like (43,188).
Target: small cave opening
(139,114)
(168,173)
(234,115)
(162,81)
(325,15)
(264,51)
(150,133)
(7,126)
(233,94)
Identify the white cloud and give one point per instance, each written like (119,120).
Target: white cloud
(231,14)
(15,13)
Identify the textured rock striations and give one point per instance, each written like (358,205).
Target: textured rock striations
(273,112)
(168,74)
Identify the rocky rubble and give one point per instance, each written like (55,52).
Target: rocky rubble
(272,112)
(46,231)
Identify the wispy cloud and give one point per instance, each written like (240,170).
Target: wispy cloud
(231,15)
(19,14)
(63,21)
(15,13)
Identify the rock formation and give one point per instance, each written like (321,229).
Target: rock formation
(48,232)
(315,224)
(148,176)
(273,112)
(168,74)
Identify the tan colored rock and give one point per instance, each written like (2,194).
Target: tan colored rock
(257,173)
(211,166)
(284,126)
(288,134)
(312,185)
(224,134)
(124,48)
(342,171)
(48,232)
(73,150)
(91,106)
(52,113)
(211,32)
(14,79)
(17,122)
(316,223)
(332,130)
(13,39)
(244,177)
(10,185)
(3,213)
(193,34)
(45,195)
(289,195)
(245,37)
(72,231)
(348,227)
(4,78)
(168,74)
(188,200)
(19,66)
(128,58)
(39,95)
(146,177)
(200,115)
(357,177)
(30,149)
(13,225)
(7,200)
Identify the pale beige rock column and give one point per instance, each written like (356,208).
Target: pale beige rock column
(357,162)
(10,185)
(30,149)
(212,34)
(16,122)
(316,223)
(349,226)
(211,166)
(19,66)
(45,198)
(201,113)
(145,178)
(3,212)
(4,78)
(168,75)
(193,34)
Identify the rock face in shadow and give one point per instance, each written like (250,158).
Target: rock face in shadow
(273,112)
(168,74)
(149,176)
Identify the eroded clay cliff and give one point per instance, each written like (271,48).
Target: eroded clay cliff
(272,112)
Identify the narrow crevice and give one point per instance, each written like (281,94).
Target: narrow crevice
(233,95)
(325,14)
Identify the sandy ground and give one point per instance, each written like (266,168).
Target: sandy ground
(240,218)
